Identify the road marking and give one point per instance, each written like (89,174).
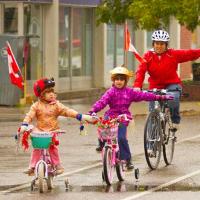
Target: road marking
(190,138)
(141,194)
(26,185)
(80,170)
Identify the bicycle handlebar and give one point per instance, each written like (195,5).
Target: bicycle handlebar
(118,118)
(165,91)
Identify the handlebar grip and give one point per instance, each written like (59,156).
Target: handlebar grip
(16,137)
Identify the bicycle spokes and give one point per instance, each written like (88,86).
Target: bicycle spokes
(168,144)
(152,140)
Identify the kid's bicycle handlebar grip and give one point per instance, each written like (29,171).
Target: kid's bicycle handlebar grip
(16,137)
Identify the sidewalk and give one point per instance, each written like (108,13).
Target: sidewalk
(83,105)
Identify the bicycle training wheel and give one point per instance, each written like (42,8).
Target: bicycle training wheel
(153,140)
(169,142)
(108,167)
(50,182)
(120,171)
(41,176)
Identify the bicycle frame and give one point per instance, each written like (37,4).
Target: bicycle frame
(44,159)
(161,135)
(44,168)
(113,144)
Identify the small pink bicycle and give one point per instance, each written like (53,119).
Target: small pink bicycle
(45,171)
(108,132)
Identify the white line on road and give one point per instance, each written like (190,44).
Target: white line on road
(141,194)
(26,185)
(187,139)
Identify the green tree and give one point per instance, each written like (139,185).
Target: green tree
(150,14)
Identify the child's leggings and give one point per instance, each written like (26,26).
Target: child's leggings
(36,153)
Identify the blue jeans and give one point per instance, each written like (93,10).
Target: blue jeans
(124,150)
(174,104)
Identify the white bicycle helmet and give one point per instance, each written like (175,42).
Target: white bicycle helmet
(160,35)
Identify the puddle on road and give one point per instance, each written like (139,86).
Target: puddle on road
(124,187)
(117,187)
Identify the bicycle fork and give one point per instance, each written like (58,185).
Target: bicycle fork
(45,169)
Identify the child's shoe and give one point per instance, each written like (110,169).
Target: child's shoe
(29,171)
(100,145)
(129,165)
(59,169)
(176,127)
(99,149)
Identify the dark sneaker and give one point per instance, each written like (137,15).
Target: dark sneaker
(99,149)
(176,127)
(129,165)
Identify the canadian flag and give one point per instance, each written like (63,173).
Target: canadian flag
(13,68)
(128,46)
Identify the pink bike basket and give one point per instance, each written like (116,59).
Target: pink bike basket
(110,132)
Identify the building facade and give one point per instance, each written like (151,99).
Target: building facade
(60,39)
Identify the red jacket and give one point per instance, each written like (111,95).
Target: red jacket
(162,71)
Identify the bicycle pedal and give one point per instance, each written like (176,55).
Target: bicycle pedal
(175,139)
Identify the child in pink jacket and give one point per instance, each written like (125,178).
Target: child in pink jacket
(46,111)
(119,97)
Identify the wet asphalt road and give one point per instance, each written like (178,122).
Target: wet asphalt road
(83,166)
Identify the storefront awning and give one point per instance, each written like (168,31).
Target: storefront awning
(28,1)
(81,2)
(69,2)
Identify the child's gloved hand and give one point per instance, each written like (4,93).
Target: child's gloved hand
(91,113)
(23,127)
(169,97)
(87,118)
(83,117)
(164,97)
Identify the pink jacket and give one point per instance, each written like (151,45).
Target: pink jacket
(162,69)
(46,114)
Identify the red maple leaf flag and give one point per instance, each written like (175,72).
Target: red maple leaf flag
(13,68)
(128,46)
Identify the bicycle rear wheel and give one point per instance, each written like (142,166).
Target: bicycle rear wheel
(108,168)
(169,141)
(120,171)
(50,182)
(153,140)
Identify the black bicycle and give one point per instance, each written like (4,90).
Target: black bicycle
(159,133)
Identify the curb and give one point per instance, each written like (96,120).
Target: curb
(17,118)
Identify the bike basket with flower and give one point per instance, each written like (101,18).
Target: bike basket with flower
(39,140)
(107,127)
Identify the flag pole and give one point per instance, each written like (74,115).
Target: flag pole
(25,85)
(125,39)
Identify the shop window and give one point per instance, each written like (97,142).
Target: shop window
(10,19)
(33,43)
(82,42)
(63,59)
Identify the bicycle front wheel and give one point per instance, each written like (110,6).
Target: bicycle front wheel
(108,167)
(41,176)
(153,140)
(169,142)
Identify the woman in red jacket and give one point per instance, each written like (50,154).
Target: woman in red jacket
(161,65)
